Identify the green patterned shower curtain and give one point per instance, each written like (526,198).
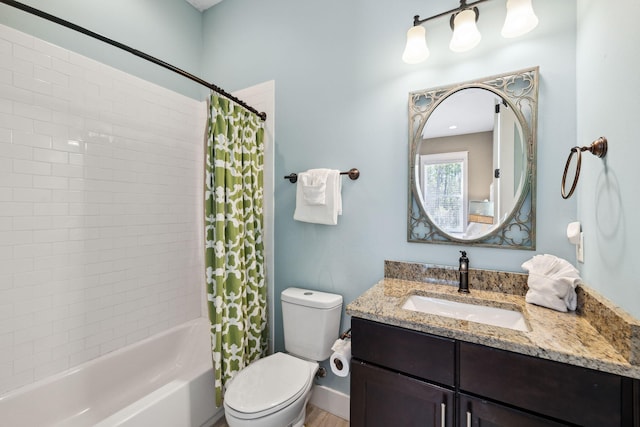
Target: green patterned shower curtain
(234,249)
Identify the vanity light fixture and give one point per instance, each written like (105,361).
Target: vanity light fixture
(520,20)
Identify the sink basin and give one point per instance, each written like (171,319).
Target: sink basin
(475,313)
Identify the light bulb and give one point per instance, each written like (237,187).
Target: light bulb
(520,18)
(416,49)
(465,32)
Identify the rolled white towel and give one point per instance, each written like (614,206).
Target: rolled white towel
(552,282)
(545,300)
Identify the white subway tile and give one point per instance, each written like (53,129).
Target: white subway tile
(31,334)
(50,209)
(53,103)
(31,139)
(50,236)
(50,49)
(32,84)
(31,111)
(51,76)
(31,195)
(31,167)
(51,182)
(5,47)
(69,171)
(50,156)
(16,180)
(16,237)
(16,123)
(6,105)
(32,223)
(32,56)
(5,141)
(51,129)
(32,251)
(6,252)
(33,305)
(19,67)
(97,172)
(63,65)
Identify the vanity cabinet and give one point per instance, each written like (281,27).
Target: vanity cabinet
(402,377)
(411,387)
(387,398)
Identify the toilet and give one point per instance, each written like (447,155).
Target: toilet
(274,391)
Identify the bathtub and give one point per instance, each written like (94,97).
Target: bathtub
(164,381)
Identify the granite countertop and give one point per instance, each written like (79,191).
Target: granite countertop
(598,335)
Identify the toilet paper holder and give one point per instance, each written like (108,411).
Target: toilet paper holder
(346,334)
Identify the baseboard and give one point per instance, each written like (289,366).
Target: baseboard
(331,400)
(217,416)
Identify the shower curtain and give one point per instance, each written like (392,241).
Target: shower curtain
(234,250)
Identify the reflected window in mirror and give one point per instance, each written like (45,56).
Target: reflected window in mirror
(489,198)
(444,183)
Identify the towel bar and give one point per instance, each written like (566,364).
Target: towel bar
(353,174)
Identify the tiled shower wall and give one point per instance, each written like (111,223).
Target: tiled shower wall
(100,209)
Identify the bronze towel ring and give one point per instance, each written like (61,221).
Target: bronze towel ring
(598,148)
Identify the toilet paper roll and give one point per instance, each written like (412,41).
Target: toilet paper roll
(340,360)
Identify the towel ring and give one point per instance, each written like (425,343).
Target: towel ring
(598,148)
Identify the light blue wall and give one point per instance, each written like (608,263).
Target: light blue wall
(170,30)
(341,102)
(608,104)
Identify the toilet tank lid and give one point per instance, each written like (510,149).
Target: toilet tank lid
(310,298)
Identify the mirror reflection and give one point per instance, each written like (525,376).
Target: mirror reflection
(472,169)
(470,163)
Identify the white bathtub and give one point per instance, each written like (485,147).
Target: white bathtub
(163,381)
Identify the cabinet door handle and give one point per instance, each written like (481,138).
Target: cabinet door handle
(443,415)
(468,418)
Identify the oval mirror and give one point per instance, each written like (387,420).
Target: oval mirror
(472,170)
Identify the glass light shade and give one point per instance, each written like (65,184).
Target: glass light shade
(465,32)
(416,49)
(520,18)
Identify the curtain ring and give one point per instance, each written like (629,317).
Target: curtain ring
(578,151)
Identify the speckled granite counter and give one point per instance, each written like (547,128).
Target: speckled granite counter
(598,335)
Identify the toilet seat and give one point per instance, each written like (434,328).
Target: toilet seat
(268,385)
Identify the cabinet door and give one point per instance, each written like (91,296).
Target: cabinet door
(474,412)
(384,398)
(581,396)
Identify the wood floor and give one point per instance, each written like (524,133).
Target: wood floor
(315,418)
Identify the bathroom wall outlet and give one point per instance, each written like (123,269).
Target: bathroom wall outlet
(580,248)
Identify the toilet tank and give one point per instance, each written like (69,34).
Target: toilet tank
(311,322)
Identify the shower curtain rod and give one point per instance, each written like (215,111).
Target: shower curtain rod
(145,56)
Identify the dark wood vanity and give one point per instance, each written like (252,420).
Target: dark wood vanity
(404,378)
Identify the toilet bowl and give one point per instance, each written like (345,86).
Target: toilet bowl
(274,391)
(271,392)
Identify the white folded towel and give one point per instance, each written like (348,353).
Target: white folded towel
(315,212)
(552,282)
(314,186)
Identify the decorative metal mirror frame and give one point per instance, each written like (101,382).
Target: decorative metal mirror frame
(520,90)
